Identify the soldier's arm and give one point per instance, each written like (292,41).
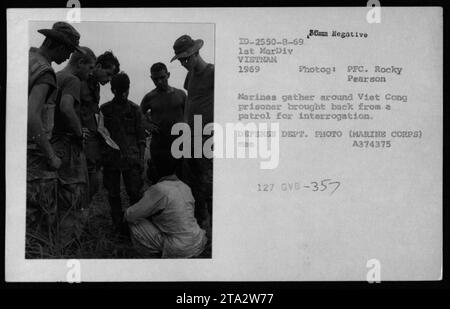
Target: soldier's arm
(68,110)
(184,101)
(147,122)
(140,134)
(143,108)
(139,127)
(36,101)
(144,105)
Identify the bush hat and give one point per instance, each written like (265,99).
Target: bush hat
(64,33)
(185,46)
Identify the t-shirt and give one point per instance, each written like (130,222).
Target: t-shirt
(73,162)
(68,84)
(40,72)
(123,120)
(170,205)
(200,98)
(89,111)
(48,112)
(48,79)
(89,98)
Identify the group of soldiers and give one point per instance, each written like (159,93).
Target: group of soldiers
(72,139)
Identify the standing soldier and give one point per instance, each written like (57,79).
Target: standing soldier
(105,68)
(42,161)
(67,140)
(123,120)
(162,107)
(199,83)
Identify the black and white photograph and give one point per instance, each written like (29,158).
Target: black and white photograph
(224,144)
(102,181)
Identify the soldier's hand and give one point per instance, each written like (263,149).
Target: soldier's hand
(86,133)
(54,162)
(153,128)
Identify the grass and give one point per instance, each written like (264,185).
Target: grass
(98,240)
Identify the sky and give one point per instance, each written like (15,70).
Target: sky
(137,46)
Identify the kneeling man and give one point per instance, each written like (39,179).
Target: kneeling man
(162,223)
